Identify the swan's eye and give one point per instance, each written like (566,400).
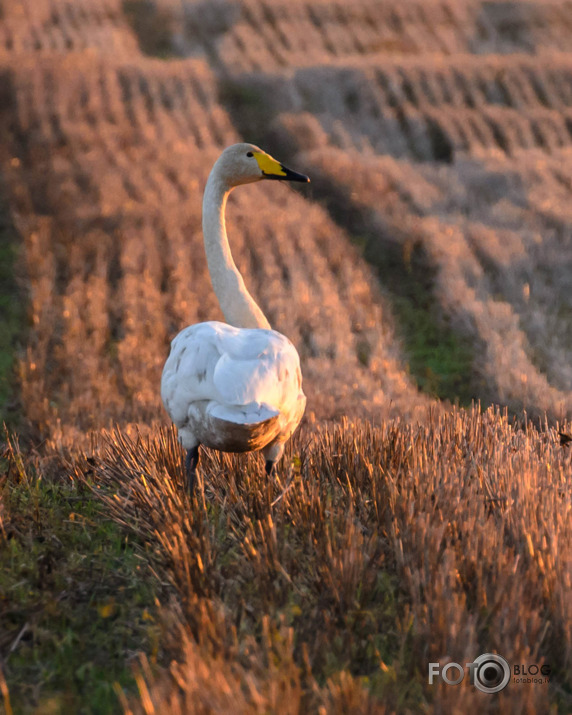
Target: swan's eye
(249,154)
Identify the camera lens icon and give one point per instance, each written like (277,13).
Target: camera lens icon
(491,673)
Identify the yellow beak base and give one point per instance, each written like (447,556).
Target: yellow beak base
(272,169)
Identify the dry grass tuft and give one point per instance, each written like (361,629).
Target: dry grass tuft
(373,552)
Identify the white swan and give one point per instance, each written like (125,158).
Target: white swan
(235,387)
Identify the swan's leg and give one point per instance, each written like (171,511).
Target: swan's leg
(272,454)
(191,464)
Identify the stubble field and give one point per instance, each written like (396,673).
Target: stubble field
(428,263)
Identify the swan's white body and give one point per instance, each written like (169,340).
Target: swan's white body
(233,389)
(236,387)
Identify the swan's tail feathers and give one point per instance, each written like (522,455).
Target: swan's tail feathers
(231,436)
(234,428)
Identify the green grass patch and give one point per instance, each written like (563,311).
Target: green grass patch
(77,598)
(12,317)
(439,358)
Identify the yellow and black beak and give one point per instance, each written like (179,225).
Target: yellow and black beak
(272,169)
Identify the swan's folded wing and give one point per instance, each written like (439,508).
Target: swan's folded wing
(188,372)
(267,377)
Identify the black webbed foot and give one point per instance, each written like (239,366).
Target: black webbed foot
(269,467)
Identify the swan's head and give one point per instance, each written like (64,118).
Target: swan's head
(246,163)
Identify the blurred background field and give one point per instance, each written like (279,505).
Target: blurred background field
(427,265)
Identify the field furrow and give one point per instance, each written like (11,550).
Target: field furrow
(245,35)
(495,276)
(115,155)
(46,26)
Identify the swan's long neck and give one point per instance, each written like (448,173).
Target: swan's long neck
(238,306)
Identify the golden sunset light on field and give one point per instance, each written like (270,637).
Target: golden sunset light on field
(285,356)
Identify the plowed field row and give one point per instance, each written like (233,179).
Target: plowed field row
(502,263)
(108,160)
(43,26)
(477,178)
(426,111)
(109,151)
(246,35)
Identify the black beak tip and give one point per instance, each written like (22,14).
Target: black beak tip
(295,176)
(289,175)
